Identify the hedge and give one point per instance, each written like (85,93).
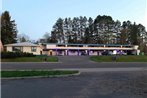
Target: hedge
(15,54)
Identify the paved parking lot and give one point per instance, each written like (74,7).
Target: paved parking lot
(86,85)
(97,80)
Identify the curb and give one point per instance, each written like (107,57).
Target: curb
(35,77)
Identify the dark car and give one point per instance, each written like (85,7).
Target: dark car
(105,53)
(83,53)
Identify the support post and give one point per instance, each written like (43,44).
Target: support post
(78,52)
(56,52)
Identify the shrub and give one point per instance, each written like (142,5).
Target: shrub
(16,54)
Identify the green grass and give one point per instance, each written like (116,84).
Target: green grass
(119,58)
(8,74)
(32,59)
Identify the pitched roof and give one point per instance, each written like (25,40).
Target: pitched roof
(22,44)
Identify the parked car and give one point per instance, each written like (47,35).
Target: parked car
(83,53)
(105,53)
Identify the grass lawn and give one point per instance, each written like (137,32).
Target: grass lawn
(7,74)
(119,58)
(32,59)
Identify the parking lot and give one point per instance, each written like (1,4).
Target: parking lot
(97,80)
(86,85)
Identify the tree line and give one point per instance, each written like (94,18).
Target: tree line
(101,30)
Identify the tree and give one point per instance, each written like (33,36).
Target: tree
(82,28)
(53,38)
(22,38)
(8,29)
(117,32)
(134,34)
(58,30)
(124,35)
(46,37)
(87,36)
(49,38)
(103,26)
(90,31)
(142,37)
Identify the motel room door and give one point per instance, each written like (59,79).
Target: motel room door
(50,52)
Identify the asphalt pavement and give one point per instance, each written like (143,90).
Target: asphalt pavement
(86,85)
(97,80)
(70,62)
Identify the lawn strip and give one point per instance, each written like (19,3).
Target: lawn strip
(32,59)
(29,73)
(119,58)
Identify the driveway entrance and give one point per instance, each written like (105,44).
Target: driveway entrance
(73,59)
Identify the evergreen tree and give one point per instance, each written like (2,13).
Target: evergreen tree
(58,30)
(125,35)
(117,32)
(8,29)
(23,39)
(103,26)
(75,29)
(53,38)
(134,34)
(91,30)
(87,36)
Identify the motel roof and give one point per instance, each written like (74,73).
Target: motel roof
(22,44)
(89,44)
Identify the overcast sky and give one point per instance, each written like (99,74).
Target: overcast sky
(35,17)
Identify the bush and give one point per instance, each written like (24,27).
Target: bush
(15,54)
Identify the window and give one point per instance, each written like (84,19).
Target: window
(33,49)
(17,49)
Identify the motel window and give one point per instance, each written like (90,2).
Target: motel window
(91,46)
(72,51)
(16,49)
(60,45)
(113,46)
(33,49)
(81,46)
(127,46)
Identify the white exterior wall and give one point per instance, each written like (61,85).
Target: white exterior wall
(29,50)
(135,47)
(50,46)
(26,49)
(93,53)
(72,53)
(138,52)
(9,49)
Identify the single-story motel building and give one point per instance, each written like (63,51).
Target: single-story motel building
(72,49)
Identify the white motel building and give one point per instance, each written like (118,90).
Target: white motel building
(73,49)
